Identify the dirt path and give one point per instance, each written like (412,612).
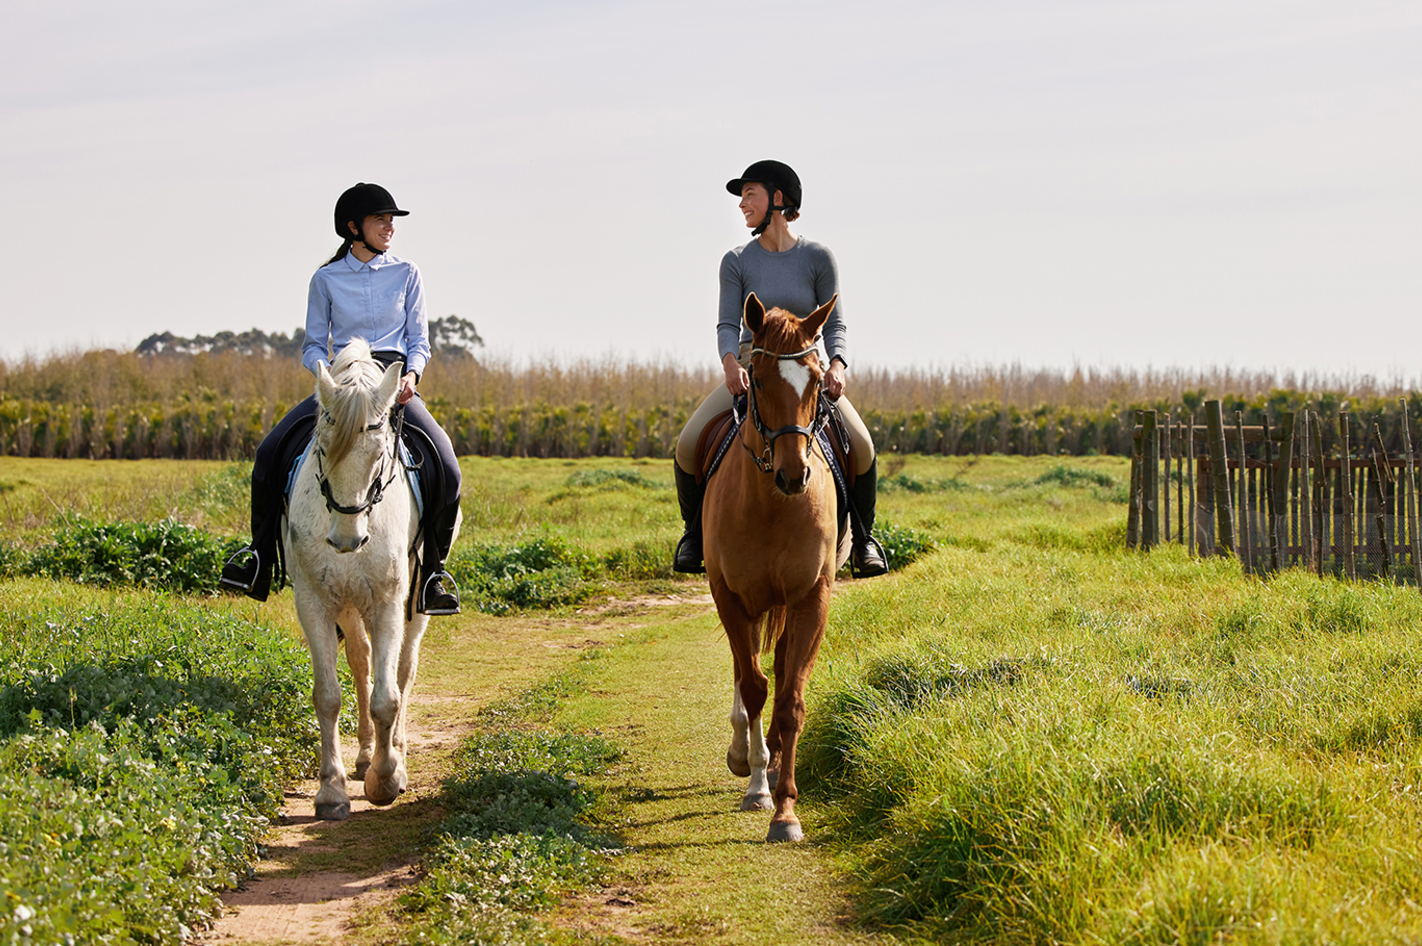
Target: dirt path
(695,869)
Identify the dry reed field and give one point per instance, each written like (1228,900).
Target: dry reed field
(108,404)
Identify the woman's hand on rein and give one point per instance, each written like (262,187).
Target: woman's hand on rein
(737,381)
(834,380)
(407,388)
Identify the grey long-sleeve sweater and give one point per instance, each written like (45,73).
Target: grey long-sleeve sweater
(797,280)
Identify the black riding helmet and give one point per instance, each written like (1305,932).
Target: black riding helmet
(361,201)
(773,176)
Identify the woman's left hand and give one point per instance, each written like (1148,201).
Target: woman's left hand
(834,380)
(407,388)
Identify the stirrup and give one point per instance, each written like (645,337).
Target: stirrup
(241,577)
(442,602)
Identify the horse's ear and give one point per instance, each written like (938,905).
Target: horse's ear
(754,313)
(816,319)
(390,382)
(325,386)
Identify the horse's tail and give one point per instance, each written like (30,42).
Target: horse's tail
(772,625)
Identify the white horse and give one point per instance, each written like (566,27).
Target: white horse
(351,557)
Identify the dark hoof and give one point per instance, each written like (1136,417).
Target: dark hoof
(333,811)
(757,803)
(785,831)
(739,768)
(360,771)
(773,776)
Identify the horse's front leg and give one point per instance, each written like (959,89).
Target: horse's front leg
(358,657)
(804,629)
(332,802)
(386,779)
(747,755)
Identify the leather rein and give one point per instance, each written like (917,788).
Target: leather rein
(822,412)
(376,492)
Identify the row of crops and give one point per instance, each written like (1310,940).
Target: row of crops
(209,429)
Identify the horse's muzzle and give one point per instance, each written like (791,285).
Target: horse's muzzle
(790,486)
(348,545)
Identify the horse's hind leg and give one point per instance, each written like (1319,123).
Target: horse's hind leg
(332,802)
(358,657)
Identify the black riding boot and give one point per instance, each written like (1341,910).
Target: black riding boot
(438,593)
(689,494)
(250,570)
(867,555)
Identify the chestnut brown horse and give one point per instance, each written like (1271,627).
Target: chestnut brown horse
(772,547)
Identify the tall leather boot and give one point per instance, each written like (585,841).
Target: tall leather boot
(689,493)
(250,569)
(867,555)
(438,592)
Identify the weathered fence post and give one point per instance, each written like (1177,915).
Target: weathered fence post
(1350,560)
(1305,498)
(1133,510)
(1190,476)
(1246,530)
(1219,457)
(1150,481)
(1324,499)
(1283,466)
(1165,493)
(1383,487)
(1411,493)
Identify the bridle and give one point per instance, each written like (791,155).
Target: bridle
(376,492)
(822,412)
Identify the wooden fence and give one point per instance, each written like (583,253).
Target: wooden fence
(1273,496)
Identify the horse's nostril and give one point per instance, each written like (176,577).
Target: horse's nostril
(780,480)
(363,539)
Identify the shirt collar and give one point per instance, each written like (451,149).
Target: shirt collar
(376,262)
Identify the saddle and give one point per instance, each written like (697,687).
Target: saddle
(719,435)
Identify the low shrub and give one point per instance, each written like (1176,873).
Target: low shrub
(166,554)
(613,479)
(903,544)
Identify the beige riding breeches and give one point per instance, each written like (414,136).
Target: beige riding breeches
(719,400)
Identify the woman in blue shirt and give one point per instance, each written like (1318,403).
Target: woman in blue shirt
(362,292)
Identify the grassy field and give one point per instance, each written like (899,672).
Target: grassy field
(1029,736)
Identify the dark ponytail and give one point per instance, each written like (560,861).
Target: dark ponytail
(341,253)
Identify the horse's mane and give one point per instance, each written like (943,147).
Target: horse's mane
(357,378)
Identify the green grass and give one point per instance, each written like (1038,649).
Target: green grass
(145,746)
(1043,738)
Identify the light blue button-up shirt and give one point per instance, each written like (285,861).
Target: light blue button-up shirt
(381,301)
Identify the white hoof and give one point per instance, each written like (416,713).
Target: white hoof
(757,803)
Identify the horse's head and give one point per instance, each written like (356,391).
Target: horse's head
(355,452)
(785,386)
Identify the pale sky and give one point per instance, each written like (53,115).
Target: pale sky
(1207,182)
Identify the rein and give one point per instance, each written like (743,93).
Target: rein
(376,492)
(822,412)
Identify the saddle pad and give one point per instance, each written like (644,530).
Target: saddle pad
(412,476)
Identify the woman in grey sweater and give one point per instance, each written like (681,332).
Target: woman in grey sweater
(796,275)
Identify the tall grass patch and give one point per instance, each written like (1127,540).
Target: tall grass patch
(1049,743)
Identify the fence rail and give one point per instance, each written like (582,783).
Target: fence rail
(1274,497)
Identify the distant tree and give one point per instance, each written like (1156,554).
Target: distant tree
(453,336)
(251,342)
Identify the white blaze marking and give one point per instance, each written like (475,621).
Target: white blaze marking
(796,374)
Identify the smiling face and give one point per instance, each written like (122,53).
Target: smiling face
(376,232)
(755,201)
